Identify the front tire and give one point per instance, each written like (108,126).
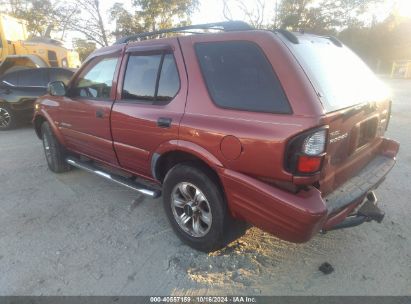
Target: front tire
(8,119)
(195,206)
(53,150)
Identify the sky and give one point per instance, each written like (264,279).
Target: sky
(212,11)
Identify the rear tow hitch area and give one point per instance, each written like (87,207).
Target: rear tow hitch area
(367,212)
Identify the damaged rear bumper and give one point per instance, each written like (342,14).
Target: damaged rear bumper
(366,212)
(297,217)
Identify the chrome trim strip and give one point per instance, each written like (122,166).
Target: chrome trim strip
(153,193)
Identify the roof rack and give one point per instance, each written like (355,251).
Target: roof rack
(226,26)
(289,35)
(335,41)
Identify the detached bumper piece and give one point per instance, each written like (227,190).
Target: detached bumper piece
(367,212)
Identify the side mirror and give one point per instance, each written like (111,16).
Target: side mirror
(57,88)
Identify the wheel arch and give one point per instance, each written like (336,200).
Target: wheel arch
(39,119)
(177,152)
(37,122)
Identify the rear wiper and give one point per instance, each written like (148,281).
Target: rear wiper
(369,105)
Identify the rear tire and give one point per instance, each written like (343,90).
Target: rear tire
(8,119)
(53,150)
(195,206)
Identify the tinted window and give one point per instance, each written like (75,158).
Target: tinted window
(32,78)
(141,77)
(60,75)
(169,80)
(97,81)
(142,81)
(11,78)
(27,78)
(341,77)
(239,76)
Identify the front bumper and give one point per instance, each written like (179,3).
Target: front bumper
(298,217)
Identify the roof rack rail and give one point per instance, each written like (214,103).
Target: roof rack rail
(289,35)
(223,26)
(335,41)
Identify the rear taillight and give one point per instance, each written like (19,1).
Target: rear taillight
(309,164)
(314,144)
(306,151)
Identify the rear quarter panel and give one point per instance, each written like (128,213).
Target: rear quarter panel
(262,136)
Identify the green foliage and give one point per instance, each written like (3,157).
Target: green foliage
(84,48)
(382,43)
(151,15)
(39,14)
(322,17)
(379,43)
(82,16)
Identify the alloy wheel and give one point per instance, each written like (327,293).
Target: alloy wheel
(5,118)
(191,209)
(47,148)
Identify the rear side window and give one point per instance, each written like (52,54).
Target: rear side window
(239,76)
(151,78)
(32,78)
(10,79)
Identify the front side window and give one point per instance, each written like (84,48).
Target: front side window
(239,76)
(151,78)
(96,83)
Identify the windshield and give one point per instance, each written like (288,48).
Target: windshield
(341,78)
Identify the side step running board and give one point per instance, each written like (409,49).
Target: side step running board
(126,182)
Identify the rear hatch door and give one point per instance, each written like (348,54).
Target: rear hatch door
(356,105)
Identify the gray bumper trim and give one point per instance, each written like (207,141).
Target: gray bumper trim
(366,180)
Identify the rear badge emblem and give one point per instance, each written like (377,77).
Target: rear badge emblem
(336,136)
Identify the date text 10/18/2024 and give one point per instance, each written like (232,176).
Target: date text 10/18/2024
(199,299)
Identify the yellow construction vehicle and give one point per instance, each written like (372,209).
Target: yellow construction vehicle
(17,51)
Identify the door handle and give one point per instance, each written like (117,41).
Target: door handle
(100,113)
(164,122)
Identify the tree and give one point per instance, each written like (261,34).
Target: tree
(254,14)
(86,18)
(84,48)
(152,15)
(126,22)
(39,14)
(323,17)
(382,42)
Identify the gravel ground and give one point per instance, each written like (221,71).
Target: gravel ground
(75,233)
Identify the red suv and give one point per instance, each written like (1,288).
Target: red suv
(233,125)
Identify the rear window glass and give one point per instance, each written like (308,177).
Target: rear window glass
(239,76)
(339,75)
